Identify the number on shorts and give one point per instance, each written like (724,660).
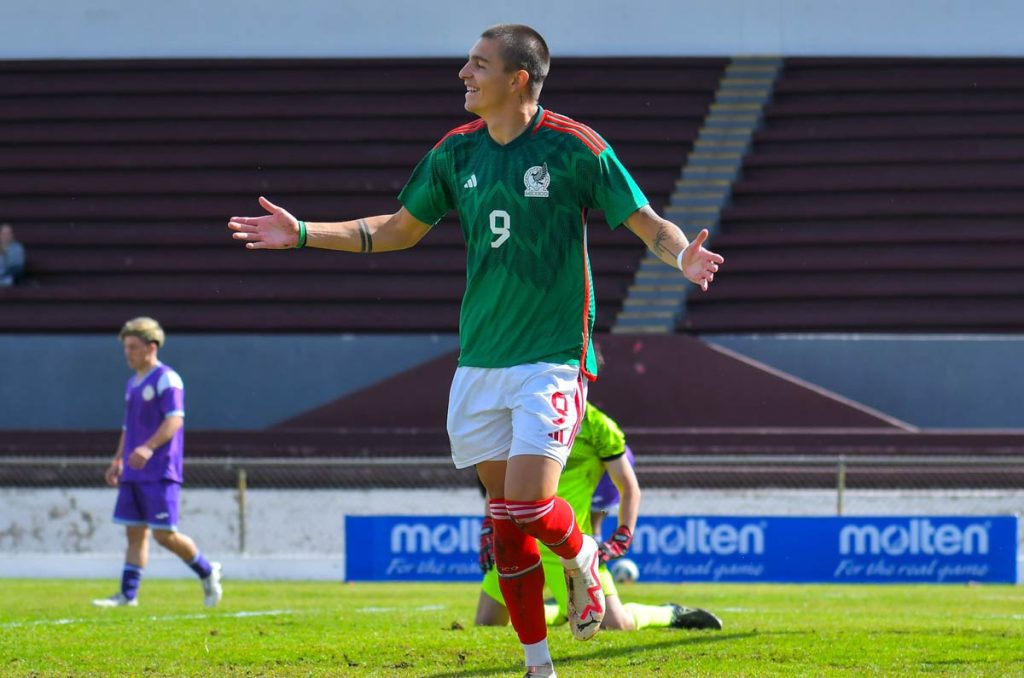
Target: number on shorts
(560,402)
(500,229)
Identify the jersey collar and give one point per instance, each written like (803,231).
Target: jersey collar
(526,134)
(138,380)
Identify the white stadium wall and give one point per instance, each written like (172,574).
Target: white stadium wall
(325,28)
(299,534)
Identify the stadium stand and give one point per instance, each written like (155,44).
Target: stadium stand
(120,177)
(880,195)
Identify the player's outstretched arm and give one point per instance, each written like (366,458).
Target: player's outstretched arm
(279,230)
(667,242)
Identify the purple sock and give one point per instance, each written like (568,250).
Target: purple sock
(200,565)
(130,578)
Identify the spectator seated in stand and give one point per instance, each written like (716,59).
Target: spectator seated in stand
(12,257)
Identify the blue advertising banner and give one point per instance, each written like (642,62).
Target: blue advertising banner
(412,548)
(863,549)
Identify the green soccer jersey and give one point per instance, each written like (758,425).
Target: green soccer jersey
(599,440)
(523,210)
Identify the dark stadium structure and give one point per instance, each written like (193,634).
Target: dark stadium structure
(121,176)
(879,196)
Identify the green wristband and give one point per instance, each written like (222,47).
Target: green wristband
(302,235)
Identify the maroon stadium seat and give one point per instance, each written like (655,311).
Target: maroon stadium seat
(879,195)
(121,175)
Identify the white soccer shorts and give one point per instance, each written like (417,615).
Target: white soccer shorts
(496,413)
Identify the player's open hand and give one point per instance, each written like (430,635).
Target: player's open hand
(139,456)
(700,265)
(278,230)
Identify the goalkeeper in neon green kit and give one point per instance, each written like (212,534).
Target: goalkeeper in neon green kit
(600,447)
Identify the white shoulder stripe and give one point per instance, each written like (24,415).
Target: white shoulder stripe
(169,379)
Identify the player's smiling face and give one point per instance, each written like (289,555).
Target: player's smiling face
(488,86)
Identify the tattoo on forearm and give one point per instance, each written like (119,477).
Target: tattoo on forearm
(663,238)
(365,239)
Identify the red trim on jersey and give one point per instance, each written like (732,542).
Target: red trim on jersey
(586,300)
(468,128)
(540,121)
(579,134)
(589,137)
(581,404)
(569,122)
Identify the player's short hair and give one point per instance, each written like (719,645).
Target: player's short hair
(522,49)
(146,329)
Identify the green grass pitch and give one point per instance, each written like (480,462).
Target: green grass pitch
(48,628)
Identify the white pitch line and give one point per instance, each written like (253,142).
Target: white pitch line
(173,617)
(1015,617)
(421,608)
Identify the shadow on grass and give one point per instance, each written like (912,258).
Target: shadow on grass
(603,653)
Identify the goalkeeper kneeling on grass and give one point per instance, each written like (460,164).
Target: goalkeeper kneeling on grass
(598,454)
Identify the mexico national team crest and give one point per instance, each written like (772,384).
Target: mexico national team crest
(537,180)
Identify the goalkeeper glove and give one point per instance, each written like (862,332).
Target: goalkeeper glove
(486,544)
(617,546)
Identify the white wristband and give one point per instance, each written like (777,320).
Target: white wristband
(679,259)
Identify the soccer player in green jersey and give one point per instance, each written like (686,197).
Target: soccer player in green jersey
(600,446)
(522,180)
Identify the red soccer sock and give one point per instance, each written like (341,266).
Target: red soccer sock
(520,576)
(551,521)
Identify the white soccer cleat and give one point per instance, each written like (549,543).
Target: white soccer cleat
(586,597)
(116,600)
(542,671)
(212,590)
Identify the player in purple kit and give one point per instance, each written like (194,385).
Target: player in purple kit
(147,467)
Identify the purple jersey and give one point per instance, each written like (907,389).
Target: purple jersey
(147,402)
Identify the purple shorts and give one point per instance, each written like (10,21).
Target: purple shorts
(606,496)
(154,504)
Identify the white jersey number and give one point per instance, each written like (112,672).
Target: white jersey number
(500,222)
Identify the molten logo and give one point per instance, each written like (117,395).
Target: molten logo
(915,536)
(698,536)
(462,536)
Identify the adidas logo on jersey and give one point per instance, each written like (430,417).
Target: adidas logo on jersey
(471,182)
